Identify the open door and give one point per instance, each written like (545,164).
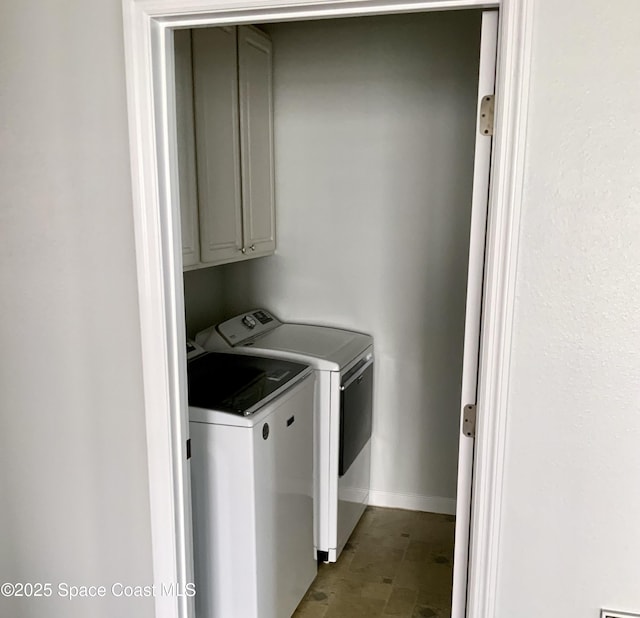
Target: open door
(480,199)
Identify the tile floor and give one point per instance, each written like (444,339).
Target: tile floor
(396,563)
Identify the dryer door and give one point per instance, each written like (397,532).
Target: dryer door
(356,407)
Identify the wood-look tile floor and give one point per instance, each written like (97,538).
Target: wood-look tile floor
(396,563)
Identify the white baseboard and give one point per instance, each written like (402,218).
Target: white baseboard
(412,502)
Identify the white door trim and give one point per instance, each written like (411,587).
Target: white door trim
(149,67)
(503,230)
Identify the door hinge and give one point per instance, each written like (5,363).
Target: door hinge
(486,114)
(469,420)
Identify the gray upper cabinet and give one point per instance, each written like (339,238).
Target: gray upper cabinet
(256,139)
(186,150)
(232,125)
(215,96)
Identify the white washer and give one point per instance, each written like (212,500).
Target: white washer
(343,363)
(251,430)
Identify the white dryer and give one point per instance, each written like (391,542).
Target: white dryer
(343,364)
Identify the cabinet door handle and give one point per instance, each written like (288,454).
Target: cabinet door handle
(252,247)
(244,249)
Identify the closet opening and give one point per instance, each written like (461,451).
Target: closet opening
(164,283)
(327,175)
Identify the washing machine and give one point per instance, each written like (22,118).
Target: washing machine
(251,431)
(343,364)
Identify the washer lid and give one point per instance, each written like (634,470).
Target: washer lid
(320,346)
(239,384)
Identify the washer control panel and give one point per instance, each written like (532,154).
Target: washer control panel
(249,321)
(247,326)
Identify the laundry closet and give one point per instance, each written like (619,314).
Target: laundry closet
(372,154)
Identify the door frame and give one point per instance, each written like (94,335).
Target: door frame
(148,39)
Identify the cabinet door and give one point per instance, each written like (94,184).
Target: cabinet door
(256,135)
(186,149)
(215,86)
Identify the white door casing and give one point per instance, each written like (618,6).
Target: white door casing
(148,30)
(477,237)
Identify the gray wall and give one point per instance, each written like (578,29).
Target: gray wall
(203,299)
(374,139)
(73,466)
(570,532)
(74,496)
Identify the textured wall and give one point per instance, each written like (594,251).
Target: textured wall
(374,137)
(570,534)
(73,469)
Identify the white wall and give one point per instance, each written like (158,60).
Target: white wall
(72,439)
(570,538)
(374,135)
